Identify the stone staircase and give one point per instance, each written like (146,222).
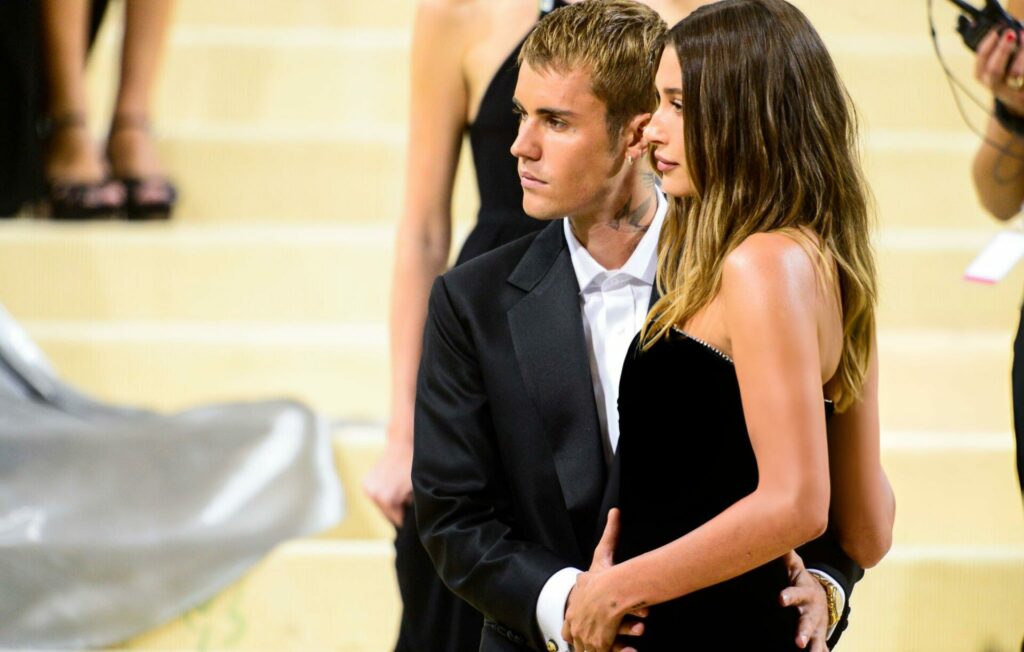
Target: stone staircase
(284,123)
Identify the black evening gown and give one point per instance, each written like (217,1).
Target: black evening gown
(685,457)
(434,618)
(23,125)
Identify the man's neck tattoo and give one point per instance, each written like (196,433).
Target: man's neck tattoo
(630,218)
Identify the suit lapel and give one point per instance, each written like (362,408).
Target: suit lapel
(551,350)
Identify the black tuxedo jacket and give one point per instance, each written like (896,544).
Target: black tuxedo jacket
(509,475)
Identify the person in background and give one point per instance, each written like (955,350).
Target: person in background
(128,178)
(998,168)
(463,76)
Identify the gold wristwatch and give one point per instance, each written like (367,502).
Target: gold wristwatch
(831,598)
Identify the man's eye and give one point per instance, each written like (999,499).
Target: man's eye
(520,115)
(556,123)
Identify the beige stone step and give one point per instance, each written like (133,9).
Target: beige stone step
(302,174)
(951,489)
(922,179)
(921,282)
(306,595)
(325,77)
(293,175)
(340,369)
(940,598)
(342,595)
(335,76)
(270,273)
(295,13)
(866,17)
(931,381)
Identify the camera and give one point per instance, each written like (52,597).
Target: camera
(973,23)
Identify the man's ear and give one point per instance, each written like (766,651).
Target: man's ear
(634,135)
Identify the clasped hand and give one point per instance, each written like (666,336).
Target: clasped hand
(595,619)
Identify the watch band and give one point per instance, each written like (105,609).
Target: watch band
(830,597)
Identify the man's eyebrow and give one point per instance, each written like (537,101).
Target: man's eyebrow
(543,111)
(555,113)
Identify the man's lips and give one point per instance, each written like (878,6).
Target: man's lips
(664,165)
(529,181)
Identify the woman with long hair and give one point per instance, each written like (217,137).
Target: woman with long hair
(751,394)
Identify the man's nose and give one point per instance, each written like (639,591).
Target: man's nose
(525,144)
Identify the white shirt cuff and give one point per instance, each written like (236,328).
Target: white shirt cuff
(840,595)
(551,607)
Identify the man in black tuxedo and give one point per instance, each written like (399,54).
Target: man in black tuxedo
(516,423)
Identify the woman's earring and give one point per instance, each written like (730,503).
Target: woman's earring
(629,159)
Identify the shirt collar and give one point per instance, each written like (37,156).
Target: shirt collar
(642,264)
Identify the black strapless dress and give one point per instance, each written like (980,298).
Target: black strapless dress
(685,457)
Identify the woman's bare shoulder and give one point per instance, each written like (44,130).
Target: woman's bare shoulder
(766,258)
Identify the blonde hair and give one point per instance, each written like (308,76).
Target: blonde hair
(771,145)
(612,39)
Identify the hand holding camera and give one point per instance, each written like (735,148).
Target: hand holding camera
(996,37)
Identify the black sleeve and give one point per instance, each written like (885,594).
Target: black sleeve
(826,555)
(463,504)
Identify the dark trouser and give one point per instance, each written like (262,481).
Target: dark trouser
(433,618)
(1017,376)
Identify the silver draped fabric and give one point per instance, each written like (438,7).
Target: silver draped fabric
(114,520)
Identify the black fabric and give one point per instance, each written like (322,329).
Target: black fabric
(434,619)
(508,469)
(20,105)
(685,456)
(23,100)
(1017,383)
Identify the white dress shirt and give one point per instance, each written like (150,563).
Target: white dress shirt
(614,305)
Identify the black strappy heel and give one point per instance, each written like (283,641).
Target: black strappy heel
(78,200)
(146,198)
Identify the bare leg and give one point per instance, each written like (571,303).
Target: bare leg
(71,156)
(131,148)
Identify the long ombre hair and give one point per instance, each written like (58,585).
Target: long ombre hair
(771,145)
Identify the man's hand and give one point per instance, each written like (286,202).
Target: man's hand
(591,625)
(389,483)
(806,594)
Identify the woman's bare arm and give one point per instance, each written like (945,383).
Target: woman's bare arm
(863,505)
(438,105)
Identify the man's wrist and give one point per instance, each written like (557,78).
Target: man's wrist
(551,603)
(834,594)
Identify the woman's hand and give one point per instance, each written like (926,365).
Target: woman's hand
(1000,67)
(594,617)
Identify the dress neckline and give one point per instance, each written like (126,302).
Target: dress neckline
(721,354)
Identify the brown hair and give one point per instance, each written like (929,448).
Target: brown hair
(614,40)
(771,145)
